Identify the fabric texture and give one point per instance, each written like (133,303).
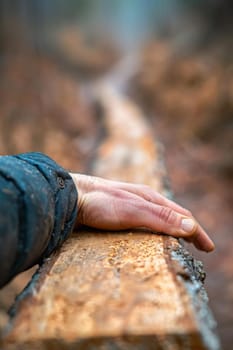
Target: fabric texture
(38,208)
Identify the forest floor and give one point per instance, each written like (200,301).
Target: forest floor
(189,103)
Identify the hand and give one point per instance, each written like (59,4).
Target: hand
(112,205)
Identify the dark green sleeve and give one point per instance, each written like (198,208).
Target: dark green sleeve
(38,208)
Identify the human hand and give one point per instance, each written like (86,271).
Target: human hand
(112,205)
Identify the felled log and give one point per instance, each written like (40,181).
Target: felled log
(117,290)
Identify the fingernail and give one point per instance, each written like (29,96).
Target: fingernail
(188,225)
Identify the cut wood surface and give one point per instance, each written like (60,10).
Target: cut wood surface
(117,290)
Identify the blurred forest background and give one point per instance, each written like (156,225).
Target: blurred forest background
(174,58)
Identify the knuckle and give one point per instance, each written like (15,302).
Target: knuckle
(146,193)
(167,215)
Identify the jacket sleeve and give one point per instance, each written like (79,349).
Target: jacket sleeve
(38,208)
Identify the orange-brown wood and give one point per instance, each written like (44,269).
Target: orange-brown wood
(117,290)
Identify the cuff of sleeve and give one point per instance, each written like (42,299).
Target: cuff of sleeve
(65,197)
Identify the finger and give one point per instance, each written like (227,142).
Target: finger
(198,237)
(121,210)
(201,240)
(141,213)
(148,194)
(168,221)
(143,191)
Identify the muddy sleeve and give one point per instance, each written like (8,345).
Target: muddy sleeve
(38,208)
